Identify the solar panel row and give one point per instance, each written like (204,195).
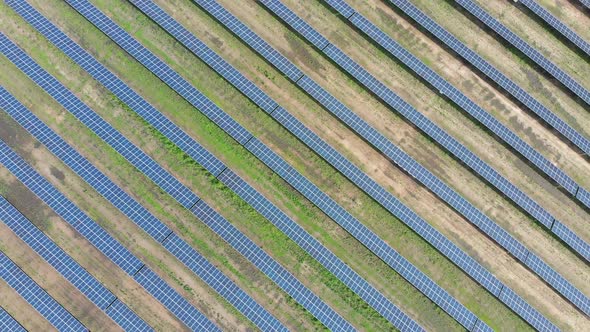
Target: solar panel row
(62,262)
(496,76)
(136,212)
(526,49)
(223,120)
(226,230)
(38,298)
(441,189)
(556,24)
(8,323)
(472,57)
(96,235)
(305,81)
(586,3)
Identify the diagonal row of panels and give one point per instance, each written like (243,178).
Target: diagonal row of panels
(536,56)
(66,265)
(137,213)
(191,201)
(556,24)
(199,154)
(272,160)
(229,125)
(8,323)
(442,190)
(36,296)
(88,228)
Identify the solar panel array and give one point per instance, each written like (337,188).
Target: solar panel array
(66,265)
(222,119)
(586,3)
(137,213)
(8,323)
(496,76)
(38,298)
(95,234)
(415,169)
(556,24)
(342,112)
(441,189)
(188,199)
(526,49)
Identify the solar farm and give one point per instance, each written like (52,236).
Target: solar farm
(294,165)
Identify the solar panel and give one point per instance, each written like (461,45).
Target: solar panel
(586,3)
(242,244)
(454,307)
(38,298)
(526,49)
(84,225)
(136,212)
(63,263)
(8,323)
(496,76)
(556,24)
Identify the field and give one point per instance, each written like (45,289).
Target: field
(284,250)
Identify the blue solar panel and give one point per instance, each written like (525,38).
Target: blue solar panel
(262,260)
(556,24)
(98,237)
(38,298)
(496,76)
(8,323)
(586,3)
(526,49)
(190,257)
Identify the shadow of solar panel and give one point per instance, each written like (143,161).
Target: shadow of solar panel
(526,49)
(8,323)
(556,24)
(38,298)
